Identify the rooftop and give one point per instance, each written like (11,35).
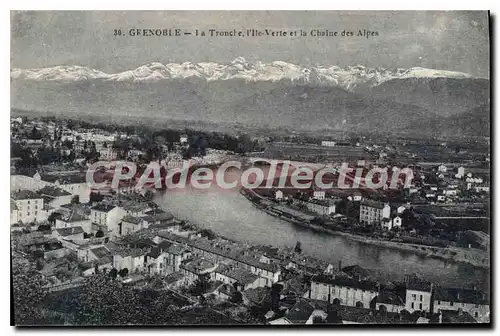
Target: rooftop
(24,195)
(72,217)
(154,253)
(70,231)
(413,283)
(346,282)
(100,252)
(457,316)
(356,271)
(300,312)
(198,266)
(132,219)
(176,249)
(242,276)
(53,191)
(173,277)
(460,295)
(389,297)
(367,316)
(372,204)
(103,207)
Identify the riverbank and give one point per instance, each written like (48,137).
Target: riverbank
(473,257)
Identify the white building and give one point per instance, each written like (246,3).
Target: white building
(371,212)
(321,207)
(328,143)
(55,197)
(346,292)
(468,300)
(183,139)
(108,154)
(390,223)
(108,215)
(74,219)
(319,194)
(29,206)
(278,195)
(418,296)
(442,168)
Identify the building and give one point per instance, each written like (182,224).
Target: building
(198,270)
(390,223)
(373,212)
(155,261)
(344,291)
(29,206)
(71,233)
(109,216)
(131,259)
(130,224)
(134,154)
(278,195)
(74,219)
(219,252)
(55,197)
(468,300)
(183,139)
(107,154)
(418,295)
(442,168)
(319,194)
(175,254)
(323,207)
(238,277)
(14,213)
(328,143)
(391,301)
(76,184)
(174,280)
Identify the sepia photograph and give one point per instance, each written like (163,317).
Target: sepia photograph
(250,168)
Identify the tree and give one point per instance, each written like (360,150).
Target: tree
(75,199)
(333,314)
(40,264)
(237,297)
(113,273)
(298,248)
(28,294)
(275,296)
(43,227)
(53,216)
(123,272)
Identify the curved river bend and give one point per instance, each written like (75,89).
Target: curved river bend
(231,215)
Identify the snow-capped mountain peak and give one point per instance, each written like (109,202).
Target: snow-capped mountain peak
(349,77)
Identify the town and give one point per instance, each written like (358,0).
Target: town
(82,257)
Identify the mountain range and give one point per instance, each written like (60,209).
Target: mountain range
(353,98)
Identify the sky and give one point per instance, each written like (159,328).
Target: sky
(451,40)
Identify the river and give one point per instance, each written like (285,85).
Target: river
(231,215)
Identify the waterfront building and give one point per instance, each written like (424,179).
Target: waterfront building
(418,295)
(372,212)
(344,291)
(468,300)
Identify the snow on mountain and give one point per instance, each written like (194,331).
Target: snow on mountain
(58,73)
(348,78)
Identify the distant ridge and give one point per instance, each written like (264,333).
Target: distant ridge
(348,78)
